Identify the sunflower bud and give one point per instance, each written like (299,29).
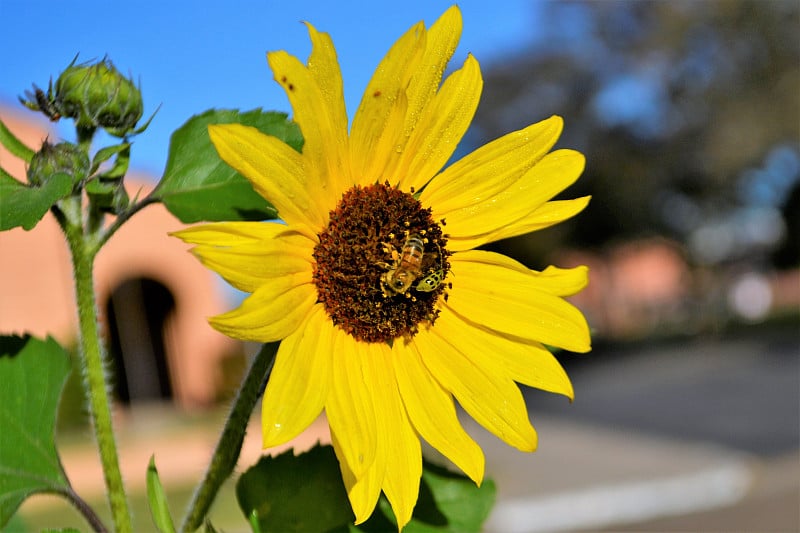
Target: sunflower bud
(52,159)
(97,95)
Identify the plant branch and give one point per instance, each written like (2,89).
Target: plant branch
(230,443)
(124,217)
(85,509)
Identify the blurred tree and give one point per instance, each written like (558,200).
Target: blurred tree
(687,112)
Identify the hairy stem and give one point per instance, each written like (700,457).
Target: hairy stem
(230,443)
(94,376)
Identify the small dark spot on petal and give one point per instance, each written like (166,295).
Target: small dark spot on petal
(377,93)
(291,87)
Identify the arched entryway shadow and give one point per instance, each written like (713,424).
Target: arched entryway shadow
(137,313)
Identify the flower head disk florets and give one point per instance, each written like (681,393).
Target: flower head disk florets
(363,242)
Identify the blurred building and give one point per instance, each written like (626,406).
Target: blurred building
(634,288)
(649,288)
(153,296)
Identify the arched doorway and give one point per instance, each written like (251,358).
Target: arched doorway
(137,313)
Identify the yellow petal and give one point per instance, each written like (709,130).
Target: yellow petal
(558,281)
(441,42)
(565,281)
(271,313)
(363,492)
(230,233)
(350,410)
(542,217)
(411,73)
(324,68)
(515,303)
(491,168)
(398,441)
(491,398)
(378,123)
(548,177)
(325,146)
(525,362)
(249,266)
(299,382)
(274,169)
(363,487)
(432,411)
(441,126)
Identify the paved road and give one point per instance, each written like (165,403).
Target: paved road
(742,392)
(697,434)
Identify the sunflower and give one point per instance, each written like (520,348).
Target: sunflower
(386,312)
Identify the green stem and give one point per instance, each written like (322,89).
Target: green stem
(124,217)
(94,377)
(85,509)
(85,135)
(230,442)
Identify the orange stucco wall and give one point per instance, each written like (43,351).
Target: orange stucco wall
(36,293)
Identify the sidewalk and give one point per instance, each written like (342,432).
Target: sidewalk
(582,477)
(182,448)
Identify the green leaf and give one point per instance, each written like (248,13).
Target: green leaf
(120,166)
(289,493)
(464,506)
(21,205)
(197,185)
(108,196)
(448,502)
(104,154)
(14,145)
(306,493)
(32,374)
(101,190)
(159,509)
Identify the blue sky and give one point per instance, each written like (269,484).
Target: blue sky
(191,56)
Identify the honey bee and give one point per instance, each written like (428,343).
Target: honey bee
(405,269)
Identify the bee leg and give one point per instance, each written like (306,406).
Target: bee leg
(389,248)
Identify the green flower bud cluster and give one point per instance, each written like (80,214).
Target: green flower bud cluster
(61,158)
(95,95)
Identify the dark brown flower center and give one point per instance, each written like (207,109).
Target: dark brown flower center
(380,264)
